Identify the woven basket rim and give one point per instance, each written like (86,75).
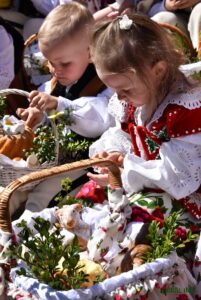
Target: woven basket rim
(45,165)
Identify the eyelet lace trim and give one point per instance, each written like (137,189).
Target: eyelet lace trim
(190,99)
(118,109)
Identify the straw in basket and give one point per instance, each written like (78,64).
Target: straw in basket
(149,281)
(9,173)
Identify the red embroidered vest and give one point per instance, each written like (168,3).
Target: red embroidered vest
(175,121)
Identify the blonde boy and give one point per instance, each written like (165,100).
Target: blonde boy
(64,40)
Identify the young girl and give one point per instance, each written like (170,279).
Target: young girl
(160,120)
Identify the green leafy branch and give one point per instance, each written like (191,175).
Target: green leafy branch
(42,253)
(63,198)
(43,145)
(165,240)
(3,107)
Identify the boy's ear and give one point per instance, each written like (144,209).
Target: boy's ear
(159,69)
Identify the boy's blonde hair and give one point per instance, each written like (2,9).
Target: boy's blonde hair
(145,43)
(63,22)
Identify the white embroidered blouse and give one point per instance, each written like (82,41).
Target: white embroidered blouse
(178,171)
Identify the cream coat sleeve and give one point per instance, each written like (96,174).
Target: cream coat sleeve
(90,114)
(178,172)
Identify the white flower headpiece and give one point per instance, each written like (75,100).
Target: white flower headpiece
(125,23)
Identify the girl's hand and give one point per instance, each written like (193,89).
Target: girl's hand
(32,116)
(102,177)
(115,156)
(42,101)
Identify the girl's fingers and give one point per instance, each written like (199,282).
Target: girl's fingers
(101,155)
(41,104)
(101,179)
(19,111)
(32,94)
(35,100)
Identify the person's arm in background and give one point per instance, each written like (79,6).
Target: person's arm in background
(6,59)
(45,6)
(170,5)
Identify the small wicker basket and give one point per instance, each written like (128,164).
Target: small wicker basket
(9,173)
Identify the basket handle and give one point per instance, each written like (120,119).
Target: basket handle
(30,39)
(187,40)
(14,91)
(5,219)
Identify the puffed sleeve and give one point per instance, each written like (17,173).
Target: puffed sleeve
(178,172)
(6,59)
(114,139)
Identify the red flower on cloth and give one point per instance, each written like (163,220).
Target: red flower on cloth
(14,239)
(197,262)
(180,233)
(104,251)
(194,228)
(118,297)
(140,214)
(92,191)
(182,297)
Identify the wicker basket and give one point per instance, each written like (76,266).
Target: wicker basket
(183,42)
(9,173)
(147,274)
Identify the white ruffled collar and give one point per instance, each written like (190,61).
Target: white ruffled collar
(188,97)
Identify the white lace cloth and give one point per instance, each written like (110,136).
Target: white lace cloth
(6,59)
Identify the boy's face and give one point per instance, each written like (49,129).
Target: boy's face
(68,60)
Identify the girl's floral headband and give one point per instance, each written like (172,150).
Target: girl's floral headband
(125,23)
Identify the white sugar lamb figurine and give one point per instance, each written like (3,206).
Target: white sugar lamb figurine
(69,217)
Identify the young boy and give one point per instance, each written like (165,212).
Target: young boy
(64,41)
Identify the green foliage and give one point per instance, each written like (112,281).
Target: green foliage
(2,106)
(197,76)
(72,146)
(63,198)
(165,240)
(42,253)
(43,144)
